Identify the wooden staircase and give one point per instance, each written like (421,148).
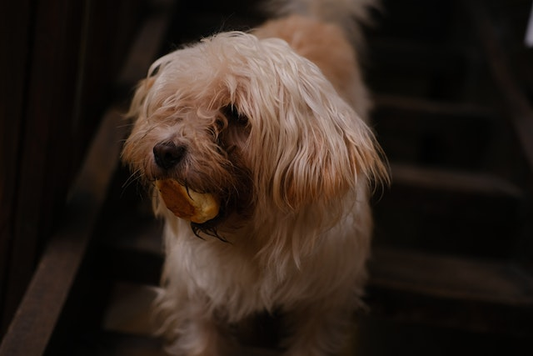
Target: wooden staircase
(451,271)
(452,260)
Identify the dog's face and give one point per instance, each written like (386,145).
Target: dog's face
(251,122)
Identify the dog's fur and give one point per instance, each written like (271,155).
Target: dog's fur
(271,122)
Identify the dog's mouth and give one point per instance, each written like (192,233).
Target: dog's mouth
(233,212)
(232,194)
(187,203)
(210,227)
(194,205)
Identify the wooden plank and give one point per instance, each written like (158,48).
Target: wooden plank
(379,336)
(109,343)
(518,105)
(417,69)
(454,208)
(15,35)
(451,277)
(434,110)
(465,294)
(395,272)
(520,108)
(108,30)
(450,181)
(33,324)
(419,131)
(114,344)
(45,167)
(132,265)
(147,45)
(393,52)
(415,19)
(453,212)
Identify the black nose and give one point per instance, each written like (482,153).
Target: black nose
(167,154)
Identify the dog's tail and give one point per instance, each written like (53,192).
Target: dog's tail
(348,14)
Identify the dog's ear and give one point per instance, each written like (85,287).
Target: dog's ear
(310,146)
(335,153)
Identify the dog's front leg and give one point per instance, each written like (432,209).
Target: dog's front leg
(202,334)
(317,330)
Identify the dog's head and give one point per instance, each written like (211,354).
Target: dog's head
(251,122)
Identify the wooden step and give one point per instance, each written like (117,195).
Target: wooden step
(445,134)
(128,328)
(119,344)
(453,212)
(415,19)
(474,294)
(436,210)
(454,181)
(406,285)
(416,69)
(380,336)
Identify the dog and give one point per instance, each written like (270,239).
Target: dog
(273,123)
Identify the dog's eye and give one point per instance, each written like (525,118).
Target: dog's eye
(220,124)
(233,116)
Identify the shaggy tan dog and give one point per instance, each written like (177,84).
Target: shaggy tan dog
(269,127)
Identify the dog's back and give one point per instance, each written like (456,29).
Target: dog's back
(347,14)
(324,31)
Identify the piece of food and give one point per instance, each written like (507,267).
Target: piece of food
(186,203)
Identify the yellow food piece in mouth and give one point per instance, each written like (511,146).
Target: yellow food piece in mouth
(186,203)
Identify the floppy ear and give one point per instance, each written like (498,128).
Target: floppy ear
(335,153)
(310,145)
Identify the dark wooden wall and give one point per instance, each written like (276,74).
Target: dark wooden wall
(58,60)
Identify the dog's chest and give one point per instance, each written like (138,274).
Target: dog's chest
(237,279)
(232,280)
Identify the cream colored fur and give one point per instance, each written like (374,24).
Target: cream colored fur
(273,122)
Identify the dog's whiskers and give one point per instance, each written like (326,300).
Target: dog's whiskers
(135,177)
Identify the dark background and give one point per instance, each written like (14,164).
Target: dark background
(452,84)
